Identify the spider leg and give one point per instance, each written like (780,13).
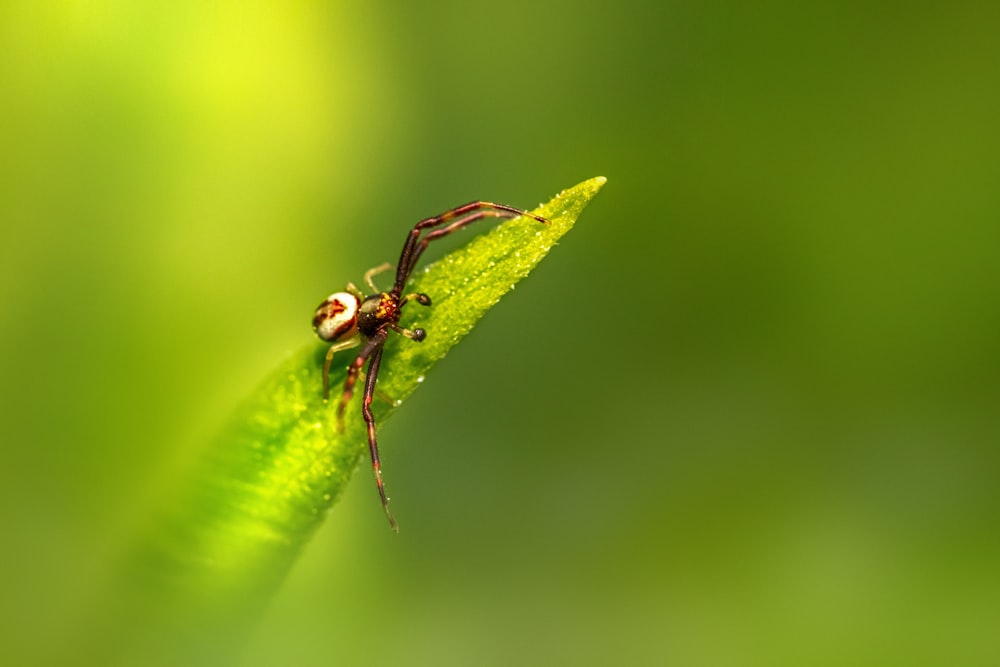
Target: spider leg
(354,370)
(353,289)
(373,366)
(466,214)
(371,273)
(336,347)
(372,344)
(379,394)
(453,227)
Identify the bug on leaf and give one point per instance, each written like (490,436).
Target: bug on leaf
(348,319)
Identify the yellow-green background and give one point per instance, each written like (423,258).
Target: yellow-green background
(744,414)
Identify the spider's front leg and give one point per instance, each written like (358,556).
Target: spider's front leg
(366,409)
(451,220)
(372,344)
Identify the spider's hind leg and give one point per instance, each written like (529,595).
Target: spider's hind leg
(336,347)
(371,273)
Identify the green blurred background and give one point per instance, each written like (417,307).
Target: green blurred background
(744,414)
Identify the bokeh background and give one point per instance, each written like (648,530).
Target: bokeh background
(744,414)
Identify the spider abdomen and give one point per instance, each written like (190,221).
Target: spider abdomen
(336,319)
(376,311)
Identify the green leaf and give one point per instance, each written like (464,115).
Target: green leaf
(273,473)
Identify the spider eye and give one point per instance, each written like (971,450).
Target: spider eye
(337,317)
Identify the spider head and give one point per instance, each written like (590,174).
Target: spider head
(336,319)
(377,310)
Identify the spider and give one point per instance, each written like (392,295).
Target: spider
(348,319)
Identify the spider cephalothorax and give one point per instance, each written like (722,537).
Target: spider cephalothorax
(347,319)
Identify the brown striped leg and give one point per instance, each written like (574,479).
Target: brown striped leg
(453,227)
(329,360)
(352,375)
(468,213)
(372,440)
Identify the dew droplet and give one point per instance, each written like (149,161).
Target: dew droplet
(420,378)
